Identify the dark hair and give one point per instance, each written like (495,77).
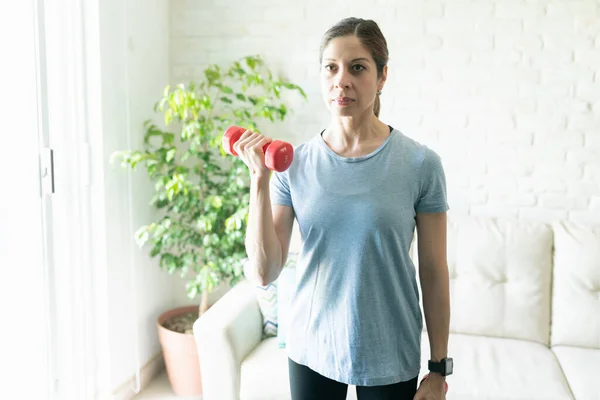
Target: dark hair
(369,34)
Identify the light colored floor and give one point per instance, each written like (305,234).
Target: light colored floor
(159,389)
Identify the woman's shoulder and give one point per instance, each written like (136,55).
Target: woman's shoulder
(303,152)
(412,149)
(307,145)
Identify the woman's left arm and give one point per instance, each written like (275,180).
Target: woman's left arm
(434,279)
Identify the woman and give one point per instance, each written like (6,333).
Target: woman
(357,191)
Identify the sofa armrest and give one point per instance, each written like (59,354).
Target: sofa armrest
(225,334)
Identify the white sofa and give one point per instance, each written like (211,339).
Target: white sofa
(525,319)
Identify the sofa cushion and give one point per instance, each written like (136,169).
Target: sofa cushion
(576,292)
(505,368)
(581,367)
(497,368)
(264,374)
(500,273)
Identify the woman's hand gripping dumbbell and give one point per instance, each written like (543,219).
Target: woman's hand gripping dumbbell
(258,152)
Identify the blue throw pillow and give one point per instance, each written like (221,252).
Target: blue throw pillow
(267,297)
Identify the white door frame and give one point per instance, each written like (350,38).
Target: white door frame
(70,63)
(24,289)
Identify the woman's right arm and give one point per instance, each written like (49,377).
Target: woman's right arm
(269,227)
(268,234)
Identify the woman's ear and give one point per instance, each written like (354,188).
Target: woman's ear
(383,78)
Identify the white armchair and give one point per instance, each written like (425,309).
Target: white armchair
(236,364)
(226,334)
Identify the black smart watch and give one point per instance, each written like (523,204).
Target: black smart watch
(443,367)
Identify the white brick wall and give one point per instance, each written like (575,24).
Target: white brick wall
(506,91)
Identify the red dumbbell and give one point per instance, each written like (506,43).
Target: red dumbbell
(278,155)
(427,376)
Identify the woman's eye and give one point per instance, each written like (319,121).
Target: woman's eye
(355,68)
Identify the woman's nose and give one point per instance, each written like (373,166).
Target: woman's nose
(342,79)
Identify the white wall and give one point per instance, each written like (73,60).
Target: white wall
(507,92)
(134,68)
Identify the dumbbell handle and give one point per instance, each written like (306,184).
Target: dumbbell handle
(278,154)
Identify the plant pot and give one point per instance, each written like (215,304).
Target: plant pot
(181,355)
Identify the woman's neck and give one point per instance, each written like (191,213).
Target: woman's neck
(352,136)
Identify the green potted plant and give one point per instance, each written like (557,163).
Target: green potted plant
(201,192)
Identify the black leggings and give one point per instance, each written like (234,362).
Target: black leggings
(306,384)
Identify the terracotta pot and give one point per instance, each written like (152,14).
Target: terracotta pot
(181,356)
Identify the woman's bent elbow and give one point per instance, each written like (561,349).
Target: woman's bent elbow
(265,275)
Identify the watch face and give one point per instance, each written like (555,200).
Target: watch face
(449,365)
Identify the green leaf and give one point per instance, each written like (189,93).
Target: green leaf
(292,86)
(155,251)
(205,102)
(170,155)
(168,138)
(117,154)
(142,236)
(204,224)
(212,74)
(282,111)
(171,267)
(192,290)
(152,132)
(277,90)
(217,202)
(251,62)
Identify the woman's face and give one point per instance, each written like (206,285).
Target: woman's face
(349,80)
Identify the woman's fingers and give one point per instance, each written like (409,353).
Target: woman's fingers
(258,143)
(249,148)
(242,141)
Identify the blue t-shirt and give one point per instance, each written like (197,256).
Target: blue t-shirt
(355,314)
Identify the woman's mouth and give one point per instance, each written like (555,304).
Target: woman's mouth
(343,101)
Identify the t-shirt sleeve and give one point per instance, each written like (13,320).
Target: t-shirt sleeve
(432,196)
(280,189)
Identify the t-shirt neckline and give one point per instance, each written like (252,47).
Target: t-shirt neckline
(355,159)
